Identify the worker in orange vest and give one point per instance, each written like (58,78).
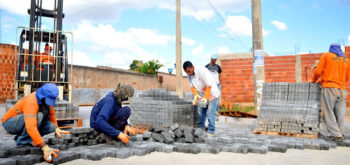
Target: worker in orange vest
(32,117)
(334,67)
(45,58)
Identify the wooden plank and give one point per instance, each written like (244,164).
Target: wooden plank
(285,134)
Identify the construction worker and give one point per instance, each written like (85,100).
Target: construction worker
(45,60)
(205,91)
(110,118)
(215,71)
(334,67)
(32,117)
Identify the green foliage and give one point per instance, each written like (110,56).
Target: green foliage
(135,65)
(150,67)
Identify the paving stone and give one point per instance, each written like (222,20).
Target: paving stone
(277,148)
(147,135)
(167,138)
(199,140)
(36,151)
(19,151)
(122,154)
(178,133)
(8,161)
(174,127)
(139,137)
(158,137)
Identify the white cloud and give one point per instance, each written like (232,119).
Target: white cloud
(188,41)
(80,58)
(223,49)
(238,26)
(279,25)
(197,51)
(119,48)
(349,40)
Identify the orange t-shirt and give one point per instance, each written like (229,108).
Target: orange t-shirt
(335,71)
(29,107)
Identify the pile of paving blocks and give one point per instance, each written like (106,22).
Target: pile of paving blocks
(63,109)
(176,133)
(78,137)
(159,107)
(290,108)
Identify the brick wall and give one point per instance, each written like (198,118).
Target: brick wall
(7,71)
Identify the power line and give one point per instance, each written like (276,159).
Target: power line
(224,21)
(209,33)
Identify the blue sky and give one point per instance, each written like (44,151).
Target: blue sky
(114,32)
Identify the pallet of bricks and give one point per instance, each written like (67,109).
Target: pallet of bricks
(289,109)
(158,107)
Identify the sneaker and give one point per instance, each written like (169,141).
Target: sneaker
(210,134)
(338,139)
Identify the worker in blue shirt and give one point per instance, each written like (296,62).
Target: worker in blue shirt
(110,118)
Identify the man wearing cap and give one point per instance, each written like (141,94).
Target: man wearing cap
(206,91)
(110,118)
(45,60)
(334,67)
(32,117)
(215,71)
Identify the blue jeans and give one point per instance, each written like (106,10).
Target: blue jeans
(16,126)
(209,112)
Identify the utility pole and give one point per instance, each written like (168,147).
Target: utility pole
(179,87)
(258,53)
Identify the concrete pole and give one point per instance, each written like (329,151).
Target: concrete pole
(179,87)
(298,72)
(259,73)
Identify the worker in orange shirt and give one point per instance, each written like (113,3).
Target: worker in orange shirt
(45,60)
(32,117)
(334,67)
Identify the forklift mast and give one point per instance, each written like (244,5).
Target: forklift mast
(32,70)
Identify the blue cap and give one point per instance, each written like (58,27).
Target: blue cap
(336,49)
(214,56)
(48,91)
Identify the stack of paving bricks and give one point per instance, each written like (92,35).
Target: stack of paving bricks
(290,108)
(158,107)
(63,109)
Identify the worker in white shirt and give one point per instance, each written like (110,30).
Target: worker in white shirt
(205,91)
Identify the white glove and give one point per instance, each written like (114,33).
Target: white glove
(196,97)
(204,100)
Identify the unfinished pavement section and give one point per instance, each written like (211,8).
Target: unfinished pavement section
(232,135)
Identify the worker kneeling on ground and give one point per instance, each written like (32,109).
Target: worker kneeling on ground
(334,67)
(32,117)
(110,118)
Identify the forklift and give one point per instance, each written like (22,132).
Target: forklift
(35,68)
(32,70)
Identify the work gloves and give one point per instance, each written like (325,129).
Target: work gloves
(47,151)
(129,130)
(123,137)
(196,98)
(59,132)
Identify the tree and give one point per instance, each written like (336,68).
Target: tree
(135,65)
(150,67)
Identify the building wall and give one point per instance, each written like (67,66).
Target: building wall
(7,72)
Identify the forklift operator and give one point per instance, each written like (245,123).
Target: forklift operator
(32,117)
(45,60)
